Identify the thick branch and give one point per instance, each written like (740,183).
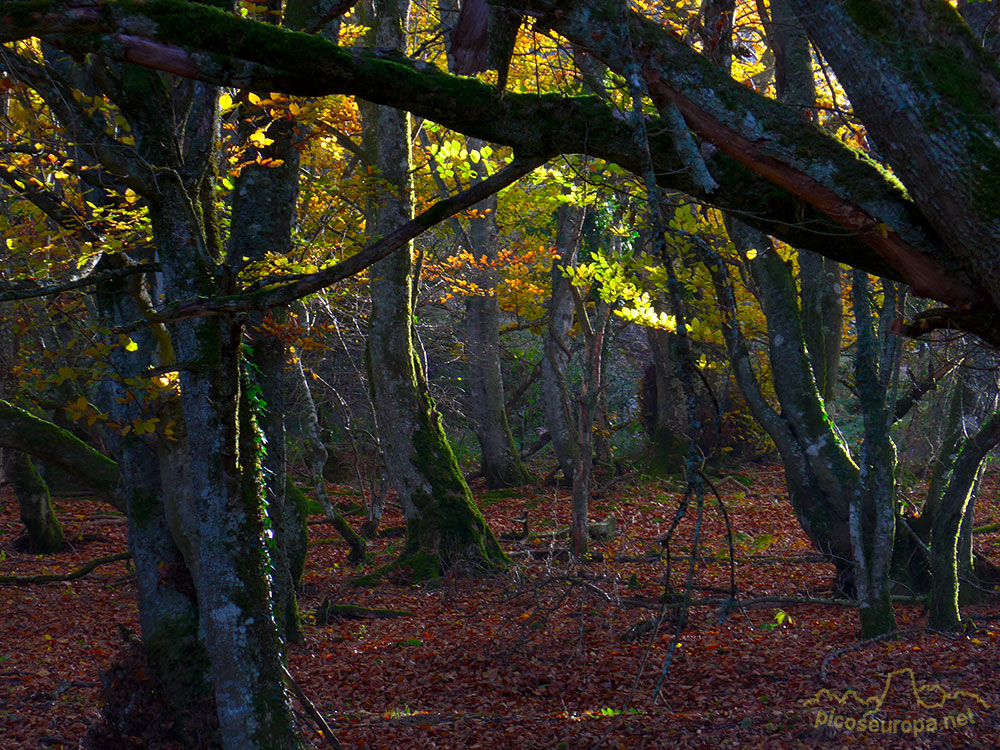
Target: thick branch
(25,290)
(203,42)
(37,437)
(58,578)
(200,41)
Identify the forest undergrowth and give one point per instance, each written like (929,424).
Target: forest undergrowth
(552,653)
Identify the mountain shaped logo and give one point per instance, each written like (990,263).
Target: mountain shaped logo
(902,706)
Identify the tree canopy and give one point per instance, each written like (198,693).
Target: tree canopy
(926,91)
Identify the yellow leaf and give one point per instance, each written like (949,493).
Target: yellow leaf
(225,102)
(294,108)
(254,99)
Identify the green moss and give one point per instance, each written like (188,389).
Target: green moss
(986,185)
(144,508)
(179,658)
(296,531)
(870,16)
(957,80)
(450,524)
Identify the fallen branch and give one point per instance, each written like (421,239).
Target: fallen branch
(300,694)
(327,610)
(55,578)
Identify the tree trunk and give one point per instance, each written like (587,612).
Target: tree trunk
(45,533)
(590,389)
(873,506)
(216,505)
(821,476)
(556,354)
(822,321)
(501,464)
(444,528)
(168,607)
(944,537)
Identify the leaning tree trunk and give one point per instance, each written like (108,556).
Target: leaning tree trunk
(946,528)
(820,475)
(444,528)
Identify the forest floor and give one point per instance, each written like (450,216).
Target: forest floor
(536,657)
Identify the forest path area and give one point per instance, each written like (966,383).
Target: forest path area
(546,654)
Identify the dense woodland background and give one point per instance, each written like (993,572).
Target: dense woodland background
(630,393)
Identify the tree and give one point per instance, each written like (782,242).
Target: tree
(444,528)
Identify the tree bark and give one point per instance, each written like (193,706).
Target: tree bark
(873,506)
(501,464)
(444,528)
(944,611)
(45,533)
(556,354)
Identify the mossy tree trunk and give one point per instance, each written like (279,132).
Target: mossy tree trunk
(45,533)
(444,528)
(22,431)
(212,481)
(820,474)
(264,209)
(873,507)
(946,561)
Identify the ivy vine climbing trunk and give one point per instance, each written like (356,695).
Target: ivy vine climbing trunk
(210,477)
(444,527)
